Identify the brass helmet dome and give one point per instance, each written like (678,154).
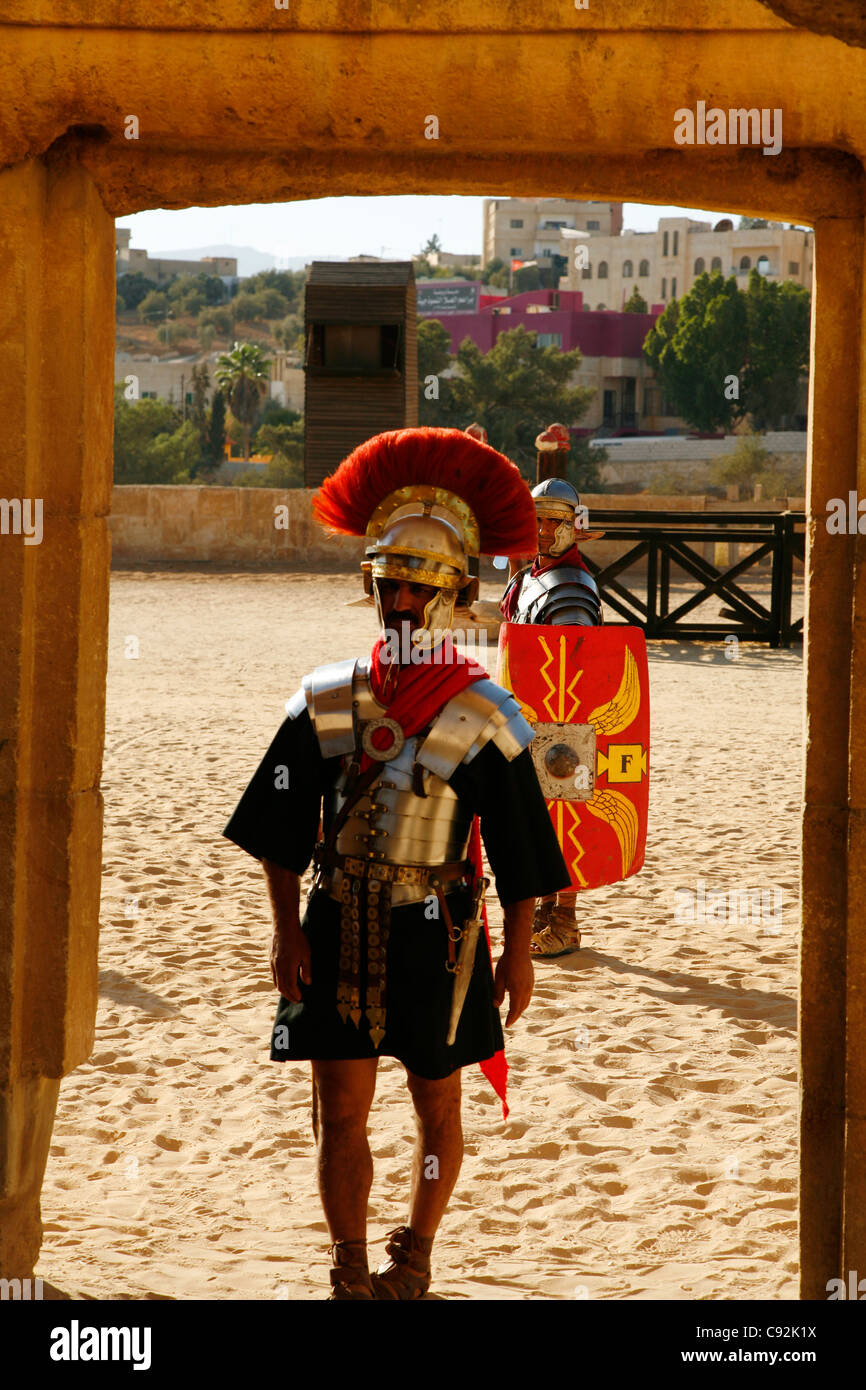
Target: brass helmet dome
(424,535)
(429,502)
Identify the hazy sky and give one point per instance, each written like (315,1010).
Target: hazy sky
(394,227)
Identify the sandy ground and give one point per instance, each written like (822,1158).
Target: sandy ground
(651,1147)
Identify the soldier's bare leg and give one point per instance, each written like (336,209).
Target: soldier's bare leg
(345,1090)
(438,1149)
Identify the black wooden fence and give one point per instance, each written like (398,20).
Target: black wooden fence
(666,539)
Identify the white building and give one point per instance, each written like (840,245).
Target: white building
(664,264)
(529,228)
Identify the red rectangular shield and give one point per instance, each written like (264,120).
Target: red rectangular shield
(585,690)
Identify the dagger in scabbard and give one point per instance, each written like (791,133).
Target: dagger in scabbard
(468,938)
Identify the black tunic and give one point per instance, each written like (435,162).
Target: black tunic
(277,818)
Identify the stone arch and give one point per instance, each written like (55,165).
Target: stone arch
(716,263)
(699,265)
(643,270)
(627,270)
(602,270)
(334,116)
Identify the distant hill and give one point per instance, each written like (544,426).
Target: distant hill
(250,261)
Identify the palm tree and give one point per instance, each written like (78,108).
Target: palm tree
(243,376)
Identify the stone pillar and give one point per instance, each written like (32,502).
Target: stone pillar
(56,373)
(835,388)
(854,1218)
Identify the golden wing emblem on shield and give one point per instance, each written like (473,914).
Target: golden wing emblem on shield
(621,816)
(616,714)
(611,718)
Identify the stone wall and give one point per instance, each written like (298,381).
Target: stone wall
(264,528)
(252,527)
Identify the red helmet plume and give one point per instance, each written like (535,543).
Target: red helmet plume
(488,482)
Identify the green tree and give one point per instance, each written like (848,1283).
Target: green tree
(559,264)
(493,268)
(280,472)
(175,456)
(778,314)
(275,414)
(721,353)
(153,307)
(290,333)
(215,440)
(151,442)
(206,336)
(288,283)
(284,440)
(243,374)
(276,304)
(249,308)
(198,409)
(210,286)
(745,464)
(751,462)
(433,244)
(187,297)
(697,343)
(172,333)
(527,278)
(434,358)
(219,319)
(635,304)
(131,289)
(514,391)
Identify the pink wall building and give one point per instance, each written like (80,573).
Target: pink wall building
(627,395)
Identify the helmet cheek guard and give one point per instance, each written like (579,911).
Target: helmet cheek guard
(563,537)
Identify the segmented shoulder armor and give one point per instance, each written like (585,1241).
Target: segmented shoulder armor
(340,702)
(560,597)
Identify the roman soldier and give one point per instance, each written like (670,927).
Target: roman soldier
(410,756)
(556,589)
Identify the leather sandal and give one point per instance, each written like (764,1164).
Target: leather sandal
(350,1276)
(541,916)
(559,937)
(406,1275)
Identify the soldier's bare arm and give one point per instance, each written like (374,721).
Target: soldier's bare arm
(290,949)
(514,971)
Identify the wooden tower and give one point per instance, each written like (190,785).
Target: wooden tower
(361,363)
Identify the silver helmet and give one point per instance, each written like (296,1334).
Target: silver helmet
(557,498)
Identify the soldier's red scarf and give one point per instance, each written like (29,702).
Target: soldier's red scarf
(415,695)
(540,565)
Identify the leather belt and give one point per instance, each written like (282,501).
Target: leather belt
(366,887)
(423,875)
